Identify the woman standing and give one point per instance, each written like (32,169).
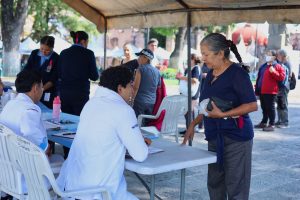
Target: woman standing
(129,61)
(229,134)
(196,79)
(77,66)
(45,60)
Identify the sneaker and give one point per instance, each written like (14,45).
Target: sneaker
(269,128)
(278,123)
(283,125)
(260,125)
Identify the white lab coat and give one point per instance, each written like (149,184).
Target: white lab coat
(24,117)
(107,127)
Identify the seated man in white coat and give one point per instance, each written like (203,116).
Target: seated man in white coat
(21,114)
(107,127)
(24,117)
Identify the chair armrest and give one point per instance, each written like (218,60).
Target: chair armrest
(141,117)
(92,190)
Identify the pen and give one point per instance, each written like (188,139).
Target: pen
(68,133)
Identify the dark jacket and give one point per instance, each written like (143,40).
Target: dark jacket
(77,65)
(48,70)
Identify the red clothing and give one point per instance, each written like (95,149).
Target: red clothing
(161,92)
(270,80)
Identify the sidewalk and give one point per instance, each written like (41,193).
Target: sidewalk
(275,164)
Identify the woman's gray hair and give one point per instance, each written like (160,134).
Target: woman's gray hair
(217,42)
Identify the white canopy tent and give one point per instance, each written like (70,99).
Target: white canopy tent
(156,13)
(184,13)
(27,46)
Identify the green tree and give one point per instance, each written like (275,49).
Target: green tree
(13,15)
(50,14)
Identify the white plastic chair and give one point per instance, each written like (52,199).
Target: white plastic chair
(10,178)
(175,106)
(34,165)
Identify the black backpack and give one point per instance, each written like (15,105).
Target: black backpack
(292,81)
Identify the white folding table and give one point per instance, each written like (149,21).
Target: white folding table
(174,157)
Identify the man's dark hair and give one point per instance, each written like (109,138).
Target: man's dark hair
(112,77)
(26,79)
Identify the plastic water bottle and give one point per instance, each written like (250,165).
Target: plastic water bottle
(56,109)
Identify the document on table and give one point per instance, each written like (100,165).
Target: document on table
(67,134)
(151,150)
(50,125)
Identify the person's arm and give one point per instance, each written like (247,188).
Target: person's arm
(277,72)
(29,63)
(94,75)
(54,72)
(238,111)
(189,134)
(48,85)
(30,128)
(243,88)
(136,83)
(130,135)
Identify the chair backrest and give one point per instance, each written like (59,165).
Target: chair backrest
(10,177)
(175,107)
(34,165)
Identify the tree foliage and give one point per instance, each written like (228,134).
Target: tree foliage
(51,15)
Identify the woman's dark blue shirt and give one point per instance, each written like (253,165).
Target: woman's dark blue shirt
(76,67)
(232,85)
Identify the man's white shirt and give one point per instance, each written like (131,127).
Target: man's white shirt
(24,117)
(107,127)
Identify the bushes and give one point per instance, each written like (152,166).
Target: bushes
(169,73)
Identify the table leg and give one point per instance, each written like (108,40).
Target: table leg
(182,184)
(152,192)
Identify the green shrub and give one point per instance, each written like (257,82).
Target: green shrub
(169,73)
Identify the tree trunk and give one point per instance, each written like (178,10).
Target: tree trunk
(176,60)
(12,21)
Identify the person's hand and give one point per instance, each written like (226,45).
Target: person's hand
(215,112)
(189,135)
(271,69)
(148,141)
(48,151)
(178,75)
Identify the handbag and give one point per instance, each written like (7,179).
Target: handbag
(223,105)
(292,81)
(183,88)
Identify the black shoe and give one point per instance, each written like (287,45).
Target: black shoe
(8,197)
(269,128)
(260,125)
(182,132)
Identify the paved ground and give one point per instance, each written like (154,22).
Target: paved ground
(275,167)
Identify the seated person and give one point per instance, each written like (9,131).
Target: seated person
(24,117)
(107,127)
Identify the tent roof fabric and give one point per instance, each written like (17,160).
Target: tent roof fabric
(157,13)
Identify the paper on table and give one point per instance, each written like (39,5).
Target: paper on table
(50,125)
(151,150)
(70,135)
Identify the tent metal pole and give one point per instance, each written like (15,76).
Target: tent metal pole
(105,39)
(189,71)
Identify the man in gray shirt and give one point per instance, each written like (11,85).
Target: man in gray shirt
(146,81)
